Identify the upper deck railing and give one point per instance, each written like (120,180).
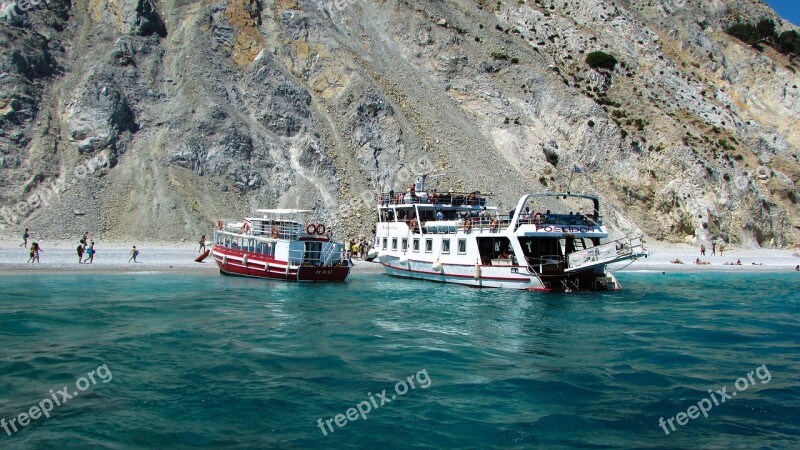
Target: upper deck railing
(264,228)
(433,198)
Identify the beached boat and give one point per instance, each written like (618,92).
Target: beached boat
(549,242)
(277,244)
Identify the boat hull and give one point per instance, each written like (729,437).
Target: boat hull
(507,277)
(231,262)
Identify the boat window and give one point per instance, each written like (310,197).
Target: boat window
(428,245)
(377,242)
(462,246)
(384,243)
(415,245)
(404,244)
(446,246)
(394,243)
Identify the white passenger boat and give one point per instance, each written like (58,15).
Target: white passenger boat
(549,242)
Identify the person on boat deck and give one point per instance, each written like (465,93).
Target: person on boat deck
(505,255)
(511,215)
(548,216)
(439,215)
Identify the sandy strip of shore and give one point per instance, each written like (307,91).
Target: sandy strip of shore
(752,260)
(61,257)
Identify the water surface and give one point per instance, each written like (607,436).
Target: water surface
(218,362)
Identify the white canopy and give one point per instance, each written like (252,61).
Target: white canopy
(282,211)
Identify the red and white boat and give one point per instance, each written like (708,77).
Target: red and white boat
(277,244)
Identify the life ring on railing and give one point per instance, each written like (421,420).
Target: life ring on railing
(493,225)
(412,225)
(274,232)
(311,229)
(538,218)
(219,224)
(245,228)
(467,225)
(320,228)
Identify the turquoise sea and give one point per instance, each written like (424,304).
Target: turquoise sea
(199,361)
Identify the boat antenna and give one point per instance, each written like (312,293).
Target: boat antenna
(419,185)
(575,169)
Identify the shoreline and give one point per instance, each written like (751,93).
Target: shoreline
(60,257)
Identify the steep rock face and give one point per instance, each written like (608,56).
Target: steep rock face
(99,114)
(128,16)
(206,110)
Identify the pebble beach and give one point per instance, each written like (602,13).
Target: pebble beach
(61,257)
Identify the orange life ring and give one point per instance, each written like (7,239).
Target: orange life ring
(467,224)
(311,229)
(219,224)
(245,228)
(274,232)
(412,224)
(538,218)
(493,225)
(320,228)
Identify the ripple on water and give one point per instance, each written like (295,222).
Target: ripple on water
(223,362)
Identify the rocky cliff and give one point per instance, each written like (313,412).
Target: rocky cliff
(147,119)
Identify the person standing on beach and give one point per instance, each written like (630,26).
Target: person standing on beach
(25,237)
(721,248)
(713,248)
(134,254)
(80,253)
(203,244)
(90,253)
(35,249)
(702,250)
